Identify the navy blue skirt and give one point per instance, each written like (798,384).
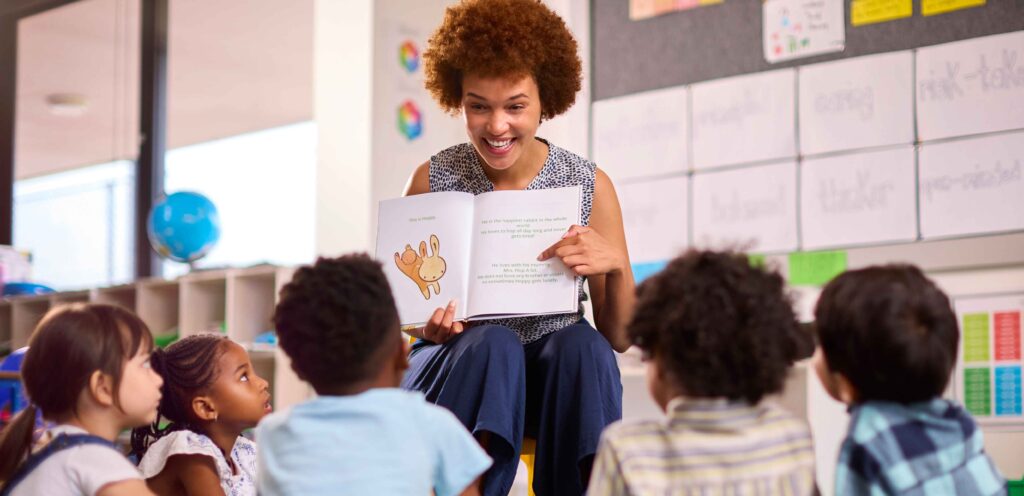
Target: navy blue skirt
(561,390)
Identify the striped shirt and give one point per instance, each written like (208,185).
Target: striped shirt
(707,447)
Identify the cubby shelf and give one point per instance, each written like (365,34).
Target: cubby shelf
(239,302)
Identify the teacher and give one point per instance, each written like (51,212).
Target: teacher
(506,66)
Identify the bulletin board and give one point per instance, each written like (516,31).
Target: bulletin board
(780,126)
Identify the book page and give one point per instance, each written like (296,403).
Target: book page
(423,241)
(510,230)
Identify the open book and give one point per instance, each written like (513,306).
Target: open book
(481,250)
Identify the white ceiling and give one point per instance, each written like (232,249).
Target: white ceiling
(234,66)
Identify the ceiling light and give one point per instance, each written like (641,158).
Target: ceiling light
(67,104)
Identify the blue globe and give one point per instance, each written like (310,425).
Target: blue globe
(183,226)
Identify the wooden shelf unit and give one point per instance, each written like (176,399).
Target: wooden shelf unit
(238,301)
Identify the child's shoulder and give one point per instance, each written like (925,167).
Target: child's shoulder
(182,442)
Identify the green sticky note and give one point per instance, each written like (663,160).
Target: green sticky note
(756,260)
(815,268)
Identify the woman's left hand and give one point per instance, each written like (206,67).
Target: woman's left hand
(586,252)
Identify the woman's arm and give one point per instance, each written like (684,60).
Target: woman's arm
(599,252)
(614,293)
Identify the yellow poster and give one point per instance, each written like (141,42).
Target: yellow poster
(934,7)
(873,11)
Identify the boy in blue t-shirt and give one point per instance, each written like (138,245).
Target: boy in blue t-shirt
(888,342)
(338,323)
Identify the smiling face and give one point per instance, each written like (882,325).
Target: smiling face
(502,117)
(241,396)
(139,394)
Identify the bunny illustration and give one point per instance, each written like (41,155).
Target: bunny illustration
(433,267)
(409,263)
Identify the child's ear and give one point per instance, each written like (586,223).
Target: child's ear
(836,385)
(401,358)
(204,408)
(101,388)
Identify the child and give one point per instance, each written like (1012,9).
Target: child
(718,335)
(87,370)
(338,323)
(888,341)
(211,394)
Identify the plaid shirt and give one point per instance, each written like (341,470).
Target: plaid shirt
(933,447)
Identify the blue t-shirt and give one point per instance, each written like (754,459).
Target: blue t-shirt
(380,442)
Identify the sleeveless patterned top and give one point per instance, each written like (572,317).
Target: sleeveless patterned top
(459,169)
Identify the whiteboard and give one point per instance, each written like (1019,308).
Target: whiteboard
(643,134)
(744,119)
(858,198)
(970,87)
(857,103)
(972,186)
(655,216)
(752,208)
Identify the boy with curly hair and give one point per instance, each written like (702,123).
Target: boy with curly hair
(888,342)
(718,335)
(338,323)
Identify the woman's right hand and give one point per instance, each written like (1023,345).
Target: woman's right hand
(442,325)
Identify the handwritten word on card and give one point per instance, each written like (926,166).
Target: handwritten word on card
(752,208)
(857,103)
(654,214)
(970,87)
(643,134)
(744,119)
(859,198)
(972,186)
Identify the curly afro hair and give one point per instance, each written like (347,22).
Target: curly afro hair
(503,38)
(333,317)
(718,327)
(890,331)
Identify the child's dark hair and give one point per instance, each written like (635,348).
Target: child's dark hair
(332,318)
(890,331)
(188,368)
(718,326)
(67,347)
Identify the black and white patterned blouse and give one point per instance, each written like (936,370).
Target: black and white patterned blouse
(459,169)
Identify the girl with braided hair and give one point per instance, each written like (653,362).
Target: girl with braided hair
(210,395)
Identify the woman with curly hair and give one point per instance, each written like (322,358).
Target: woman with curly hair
(507,65)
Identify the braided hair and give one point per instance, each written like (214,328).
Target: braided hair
(189,368)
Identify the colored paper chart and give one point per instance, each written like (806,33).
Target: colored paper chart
(643,9)
(798,28)
(989,365)
(864,12)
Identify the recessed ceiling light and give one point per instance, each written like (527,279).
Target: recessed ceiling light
(67,104)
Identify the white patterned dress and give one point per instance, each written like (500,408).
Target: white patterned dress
(187,442)
(459,168)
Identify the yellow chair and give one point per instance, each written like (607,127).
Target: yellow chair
(528,455)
